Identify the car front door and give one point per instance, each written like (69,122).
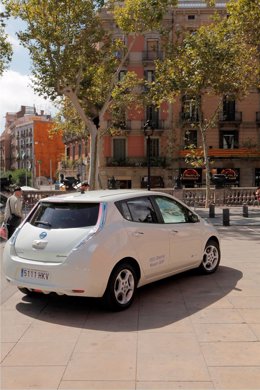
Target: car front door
(149,239)
(184,233)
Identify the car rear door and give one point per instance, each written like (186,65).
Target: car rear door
(149,239)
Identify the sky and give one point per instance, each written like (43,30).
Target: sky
(15,83)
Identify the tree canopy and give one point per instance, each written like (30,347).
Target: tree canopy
(5,46)
(75,54)
(245,17)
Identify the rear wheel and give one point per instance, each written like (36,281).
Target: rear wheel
(211,257)
(121,287)
(27,291)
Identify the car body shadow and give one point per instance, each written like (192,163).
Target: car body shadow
(160,304)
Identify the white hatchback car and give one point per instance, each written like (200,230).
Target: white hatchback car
(107,243)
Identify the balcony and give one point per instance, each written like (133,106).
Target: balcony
(231,117)
(136,162)
(122,126)
(188,118)
(149,56)
(156,124)
(241,153)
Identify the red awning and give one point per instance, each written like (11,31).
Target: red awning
(190,174)
(229,172)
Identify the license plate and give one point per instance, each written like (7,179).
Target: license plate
(34,274)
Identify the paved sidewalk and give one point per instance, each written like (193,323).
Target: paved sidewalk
(188,332)
(236,217)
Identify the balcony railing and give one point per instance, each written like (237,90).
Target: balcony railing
(123,125)
(186,117)
(228,153)
(136,162)
(156,124)
(152,55)
(235,117)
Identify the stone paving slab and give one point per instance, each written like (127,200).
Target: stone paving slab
(236,217)
(189,332)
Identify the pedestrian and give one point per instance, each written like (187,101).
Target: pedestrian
(13,211)
(84,187)
(257,194)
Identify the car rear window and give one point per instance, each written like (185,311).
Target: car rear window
(65,215)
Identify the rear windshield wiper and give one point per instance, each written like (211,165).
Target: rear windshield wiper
(42,223)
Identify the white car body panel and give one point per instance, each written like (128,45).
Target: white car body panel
(79,261)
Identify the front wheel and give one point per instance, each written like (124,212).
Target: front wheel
(121,287)
(211,258)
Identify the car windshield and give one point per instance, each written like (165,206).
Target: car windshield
(65,215)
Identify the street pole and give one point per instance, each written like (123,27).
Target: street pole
(148,132)
(149,162)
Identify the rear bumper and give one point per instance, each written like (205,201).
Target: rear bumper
(73,277)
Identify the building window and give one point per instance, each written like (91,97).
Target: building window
(119,148)
(191,17)
(152,115)
(121,75)
(191,138)
(73,152)
(154,147)
(149,75)
(229,139)
(79,150)
(190,108)
(152,49)
(257,177)
(229,109)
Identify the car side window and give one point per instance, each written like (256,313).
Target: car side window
(172,211)
(138,210)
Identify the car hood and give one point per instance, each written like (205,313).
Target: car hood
(48,245)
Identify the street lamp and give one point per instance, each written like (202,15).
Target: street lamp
(148,132)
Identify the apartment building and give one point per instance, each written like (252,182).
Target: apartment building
(28,145)
(234,142)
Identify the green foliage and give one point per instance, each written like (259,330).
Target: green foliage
(5,46)
(137,16)
(68,121)
(245,18)
(19,177)
(213,60)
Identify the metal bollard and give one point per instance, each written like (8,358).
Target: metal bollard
(245,210)
(211,211)
(226,220)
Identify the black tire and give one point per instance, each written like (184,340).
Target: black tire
(121,287)
(26,291)
(211,257)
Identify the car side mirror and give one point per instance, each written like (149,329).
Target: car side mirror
(193,218)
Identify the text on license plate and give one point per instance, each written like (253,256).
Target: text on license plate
(34,274)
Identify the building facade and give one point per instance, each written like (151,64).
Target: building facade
(29,145)
(234,142)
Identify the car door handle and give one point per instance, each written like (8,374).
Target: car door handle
(137,234)
(39,244)
(174,231)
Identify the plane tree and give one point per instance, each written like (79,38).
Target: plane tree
(213,61)
(76,56)
(5,46)
(245,18)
